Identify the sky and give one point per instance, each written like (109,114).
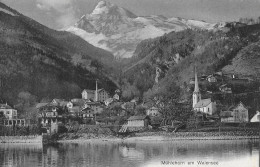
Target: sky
(59,14)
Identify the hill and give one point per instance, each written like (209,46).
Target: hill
(172,57)
(47,63)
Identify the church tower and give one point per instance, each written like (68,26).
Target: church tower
(196,97)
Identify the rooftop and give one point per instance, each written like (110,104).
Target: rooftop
(203,103)
(141,117)
(5,106)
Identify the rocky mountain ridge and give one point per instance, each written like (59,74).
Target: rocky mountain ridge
(119,31)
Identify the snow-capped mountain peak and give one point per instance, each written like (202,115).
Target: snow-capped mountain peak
(118,30)
(109,9)
(102,7)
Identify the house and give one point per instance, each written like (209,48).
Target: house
(129,105)
(156,121)
(211,78)
(74,111)
(40,105)
(102,95)
(95,106)
(116,97)
(10,116)
(206,106)
(235,114)
(60,102)
(256,117)
(153,111)
(135,100)
(8,111)
(69,105)
(88,94)
(138,121)
(225,89)
(50,113)
(108,101)
(117,91)
(88,113)
(77,102)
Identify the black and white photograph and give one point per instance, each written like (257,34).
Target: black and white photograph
(129,83)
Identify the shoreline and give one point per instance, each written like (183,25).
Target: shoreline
(21,139)
(140,137)
(161,138)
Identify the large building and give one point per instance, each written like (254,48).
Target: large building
(95,95)
(8,111)
(202,105)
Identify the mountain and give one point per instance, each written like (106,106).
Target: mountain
(46,63)
(118,30)
(169,60)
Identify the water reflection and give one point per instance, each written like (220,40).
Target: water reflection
(227,153)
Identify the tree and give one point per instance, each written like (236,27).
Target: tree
(166,100)
(26,105)
(140,110)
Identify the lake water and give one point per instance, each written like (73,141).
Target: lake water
(244,153)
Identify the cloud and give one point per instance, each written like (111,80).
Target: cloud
(65,9)
(59,5)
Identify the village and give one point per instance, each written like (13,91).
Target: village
(99,108)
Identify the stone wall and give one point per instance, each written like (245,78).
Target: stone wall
(21,139)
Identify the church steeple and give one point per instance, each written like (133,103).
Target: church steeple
(196,97)
(196,89)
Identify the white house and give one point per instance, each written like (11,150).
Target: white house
(211,78)
(69,104)
(88,94)
(108,101)
(206,106)
(256,117)
(153,111)
(116,97)
(8,111)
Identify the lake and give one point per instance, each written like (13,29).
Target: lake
(242,153)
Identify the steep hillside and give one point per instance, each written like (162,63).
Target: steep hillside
(44,62)
(172,57)
(118,30)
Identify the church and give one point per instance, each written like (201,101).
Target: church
(206,106)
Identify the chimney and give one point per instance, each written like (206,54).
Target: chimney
(96,92)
